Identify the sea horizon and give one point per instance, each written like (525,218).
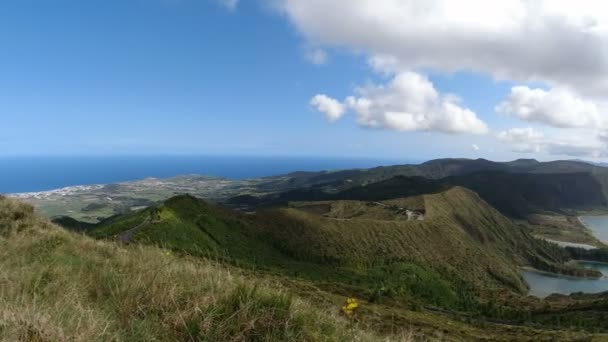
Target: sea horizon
(45,173)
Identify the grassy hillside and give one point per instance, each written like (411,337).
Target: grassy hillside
(60,286)
(461,234)
(520,194)
(514,194)
(462,245)
(337,181)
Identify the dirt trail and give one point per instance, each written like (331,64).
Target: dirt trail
(127,236)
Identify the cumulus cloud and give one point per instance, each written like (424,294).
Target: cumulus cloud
(529,140)
(557,107)
(523,140)
(409,102)
(316,56)
(333,109)
(559,42)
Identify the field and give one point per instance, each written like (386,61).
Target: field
(93,203)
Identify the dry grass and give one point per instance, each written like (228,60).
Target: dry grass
(16,217)
(59,286)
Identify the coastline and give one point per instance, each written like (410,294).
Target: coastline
(581,221)
(61,191)
(590,227)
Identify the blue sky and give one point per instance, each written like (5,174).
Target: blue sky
(200,77)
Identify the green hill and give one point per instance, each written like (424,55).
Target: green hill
(460,234)
(336,181)
(547,195)
(61,286)
(58,285)
(513,194)
(520,194)
(462,245)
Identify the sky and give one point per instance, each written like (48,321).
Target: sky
(415,79)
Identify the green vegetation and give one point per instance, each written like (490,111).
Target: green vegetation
(566,228)
(98,202)
(531,192)
(457,271)
(513,194)
(599,254)
(520,194)
(436,169)
(92,204)
(60,286)
(359,248)
(518,189)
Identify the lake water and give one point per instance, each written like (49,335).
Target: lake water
(599,226)
(27,174)
(543,284)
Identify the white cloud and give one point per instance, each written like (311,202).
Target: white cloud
(229,4)
(582,150)
(557,107)
(529,140)
(521,135)
(316,56)
(475,147)
(409,102)
(559,42)
(332,109)
(523,140)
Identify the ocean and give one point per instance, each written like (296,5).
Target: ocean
(28,174)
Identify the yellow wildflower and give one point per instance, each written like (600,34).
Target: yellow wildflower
(350,307)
